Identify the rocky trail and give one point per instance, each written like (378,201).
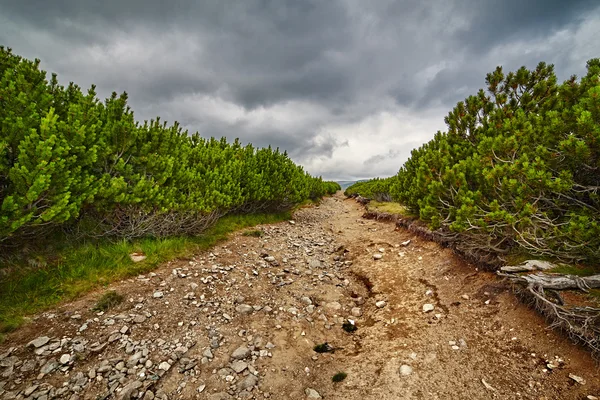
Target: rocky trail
(242,321)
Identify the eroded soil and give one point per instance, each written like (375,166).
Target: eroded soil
(241,322)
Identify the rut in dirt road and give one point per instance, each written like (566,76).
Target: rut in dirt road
(241,322)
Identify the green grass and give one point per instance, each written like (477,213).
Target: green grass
(388,207)
(108,300)
(254,233)
(578,270)
(76,268)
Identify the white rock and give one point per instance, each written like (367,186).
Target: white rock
(165,366)
(65,358)
(39,342)
(158,295)
(377,256)
(356,311)
(380,304)
(244,309)
(137,257)
(428,307)
(312,394)
(577,379)
(405,370)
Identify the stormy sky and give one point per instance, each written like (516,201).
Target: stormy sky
(347,87)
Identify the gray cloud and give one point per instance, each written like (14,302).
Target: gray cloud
(346,87)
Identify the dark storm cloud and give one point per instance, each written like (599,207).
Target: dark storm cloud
(300,75)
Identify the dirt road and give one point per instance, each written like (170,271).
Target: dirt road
(241,322)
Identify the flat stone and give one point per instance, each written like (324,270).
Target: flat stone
(405,370)
(428,307)
(50,366)
(139,319)
(380,304)
(65,358)
(248,382)
(165,366)
(312,394)
(128,390)
(158,295)
(377,256)
(244,309)
(39,342)
(239,366)
(240,353)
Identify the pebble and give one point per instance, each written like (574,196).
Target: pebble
(356,311)
(65,358)
(39,342)
(380,304)
(428,307)
(377,256)
(240,353)
(165,366)
(312,394)
(158,295)
(244,309)
(405,370)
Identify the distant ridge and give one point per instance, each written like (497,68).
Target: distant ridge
(345,184)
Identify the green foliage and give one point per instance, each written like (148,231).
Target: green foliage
(519,166)
(377,189)
(340,376)
(323,348)
(71,162)
(74,268)
(108,300)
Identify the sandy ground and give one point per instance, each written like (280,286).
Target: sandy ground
(241,321)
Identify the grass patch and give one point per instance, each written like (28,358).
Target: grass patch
(76,268)
(254,233)
(323,348)
(388,207)
(578,270)
(340,376)
(108,300)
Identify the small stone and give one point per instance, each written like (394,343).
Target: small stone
(244,309)
(428,307)
(306,300)
(356,311)
(139,319)
(201,388)
(158,295)
(39,342)
(137,257)
(577,379)
(207,353)
(128,390)
(240,353)
(312,394)
(65,358)
(248,382)
(239,366)
(377,256)
(465,296)
(380,304)
(124,329)
(405,370)
(50,366)
(30,390)
(165,366)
